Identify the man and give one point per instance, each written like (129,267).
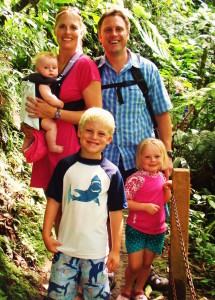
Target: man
(133,121)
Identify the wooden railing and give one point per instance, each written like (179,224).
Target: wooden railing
(178,269)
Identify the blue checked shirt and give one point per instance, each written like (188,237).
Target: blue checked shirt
(133,121)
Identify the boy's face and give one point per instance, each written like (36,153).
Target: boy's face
(93,139)
(47,67)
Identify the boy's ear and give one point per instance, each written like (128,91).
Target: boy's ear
(109,140)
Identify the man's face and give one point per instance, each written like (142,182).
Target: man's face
(113,35)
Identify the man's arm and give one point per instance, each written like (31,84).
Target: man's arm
(116,224)
(165,129)
(165,134)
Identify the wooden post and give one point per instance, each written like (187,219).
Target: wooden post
(181,189)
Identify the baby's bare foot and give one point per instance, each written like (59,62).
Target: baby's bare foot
(56,149)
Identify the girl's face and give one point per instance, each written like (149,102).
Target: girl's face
(152,160)
(68,31)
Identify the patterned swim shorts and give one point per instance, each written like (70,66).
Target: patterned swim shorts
(68,272)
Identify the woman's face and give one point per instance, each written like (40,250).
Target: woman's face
(68,31)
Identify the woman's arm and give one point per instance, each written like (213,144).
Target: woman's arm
(40,109)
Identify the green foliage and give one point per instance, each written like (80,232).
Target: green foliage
(201,246)
(179,37)
(13,281)
(198,149)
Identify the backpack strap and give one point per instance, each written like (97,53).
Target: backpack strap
(138,76)
(69,66)
(61,77)
(139,80)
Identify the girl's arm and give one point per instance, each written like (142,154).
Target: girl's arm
(167,191)
(47,95)
(40,109)
(148,207)
(52,208)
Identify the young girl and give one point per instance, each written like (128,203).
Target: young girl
(147,191)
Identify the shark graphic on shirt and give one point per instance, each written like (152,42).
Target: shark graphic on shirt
(91,194)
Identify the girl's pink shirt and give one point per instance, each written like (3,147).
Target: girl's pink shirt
(145,187)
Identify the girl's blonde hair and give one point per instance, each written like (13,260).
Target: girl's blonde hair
(97,114)
(146,143)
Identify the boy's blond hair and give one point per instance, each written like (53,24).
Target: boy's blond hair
(41,55)
(97,114)
(147,142)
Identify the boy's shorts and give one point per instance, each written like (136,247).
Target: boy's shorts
(137,240)
(68,272)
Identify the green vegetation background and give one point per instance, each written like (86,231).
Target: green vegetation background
(179,37)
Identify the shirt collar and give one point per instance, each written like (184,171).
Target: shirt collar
(133,61)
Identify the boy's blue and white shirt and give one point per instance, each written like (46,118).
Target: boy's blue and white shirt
(88,189)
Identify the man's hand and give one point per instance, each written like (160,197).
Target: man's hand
(168,170)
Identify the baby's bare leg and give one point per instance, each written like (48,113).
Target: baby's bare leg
(50,127)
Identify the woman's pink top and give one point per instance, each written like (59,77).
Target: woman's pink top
(146,187)
(81,75)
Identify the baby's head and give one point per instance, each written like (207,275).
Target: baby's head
(46,64)
(98,115)
(153,147)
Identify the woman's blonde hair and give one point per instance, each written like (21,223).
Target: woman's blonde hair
(71,10)
(146,143)
(97,114)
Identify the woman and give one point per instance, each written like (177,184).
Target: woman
(82,82)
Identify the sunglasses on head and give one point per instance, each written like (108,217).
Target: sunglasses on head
(69,8)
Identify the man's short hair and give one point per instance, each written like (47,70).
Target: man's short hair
(114,12)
